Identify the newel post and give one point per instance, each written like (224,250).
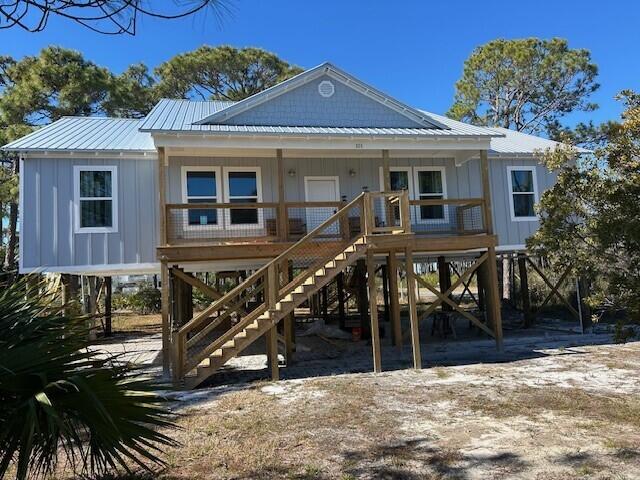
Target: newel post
(405,215)
(272,286)
(367,210)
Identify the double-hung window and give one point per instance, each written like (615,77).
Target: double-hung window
(431,185)
(201,185)
(523,193)
(243,185)
(95,192)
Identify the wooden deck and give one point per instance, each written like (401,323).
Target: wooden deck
(270,248)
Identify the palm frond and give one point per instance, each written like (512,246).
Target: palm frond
(60,396)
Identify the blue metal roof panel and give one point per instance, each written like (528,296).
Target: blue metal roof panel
(86,134)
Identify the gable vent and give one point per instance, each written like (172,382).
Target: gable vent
(326,89)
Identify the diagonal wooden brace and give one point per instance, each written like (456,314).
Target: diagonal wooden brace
(554,289)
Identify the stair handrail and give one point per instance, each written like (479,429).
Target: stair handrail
(266,272)
(215,306)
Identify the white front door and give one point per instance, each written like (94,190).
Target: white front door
(321,189)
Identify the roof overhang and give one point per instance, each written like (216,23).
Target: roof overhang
(326,142)
(87,154)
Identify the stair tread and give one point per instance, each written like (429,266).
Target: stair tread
(284,305)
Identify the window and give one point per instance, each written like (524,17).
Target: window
(431,185)
(96,198)
(523,193)
(201,185)
(243,185)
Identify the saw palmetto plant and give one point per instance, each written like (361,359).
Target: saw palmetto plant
(62,402)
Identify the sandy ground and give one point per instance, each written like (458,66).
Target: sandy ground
(557,413)
(551,406)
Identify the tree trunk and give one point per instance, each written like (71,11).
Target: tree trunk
(524,291)
(506,277)
(584,290)
(12,242)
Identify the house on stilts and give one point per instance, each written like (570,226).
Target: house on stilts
(305,188)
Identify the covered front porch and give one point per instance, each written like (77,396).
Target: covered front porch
(294,191)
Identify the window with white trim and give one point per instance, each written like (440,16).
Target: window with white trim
(523,193)
(431,185)
(201,185)
(243,185)
(96,198)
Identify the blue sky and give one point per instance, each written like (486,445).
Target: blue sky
(412,50)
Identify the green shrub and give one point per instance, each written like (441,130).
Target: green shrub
(60,398)
(623,332)
(120,301)
(145,301)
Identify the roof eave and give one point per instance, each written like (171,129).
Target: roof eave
(203,133)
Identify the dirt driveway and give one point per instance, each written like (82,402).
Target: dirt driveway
(563,413)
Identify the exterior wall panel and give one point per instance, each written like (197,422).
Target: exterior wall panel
(512,233)
(47,225)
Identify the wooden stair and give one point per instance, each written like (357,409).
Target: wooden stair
(314,280)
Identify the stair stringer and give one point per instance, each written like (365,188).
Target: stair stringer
(315,281)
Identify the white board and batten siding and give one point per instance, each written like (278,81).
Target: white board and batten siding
(48,237)
(356,174)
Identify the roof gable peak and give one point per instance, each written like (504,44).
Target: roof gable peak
(421,119)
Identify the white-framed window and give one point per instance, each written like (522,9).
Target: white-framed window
(523,193)
(243,185)
(201,184)
(431,184)
(95,198)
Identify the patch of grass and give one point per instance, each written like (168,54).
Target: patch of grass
(125,322)
(622,449)
(442,372)
(576,402)
(311,471)
(588,469)
(447,457)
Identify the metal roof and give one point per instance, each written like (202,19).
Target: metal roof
(86,134)
(180,116)
(514,142)
(123,135)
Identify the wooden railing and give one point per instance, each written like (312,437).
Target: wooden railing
(193,342)
(448,216)
(196,339)
(269,221)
